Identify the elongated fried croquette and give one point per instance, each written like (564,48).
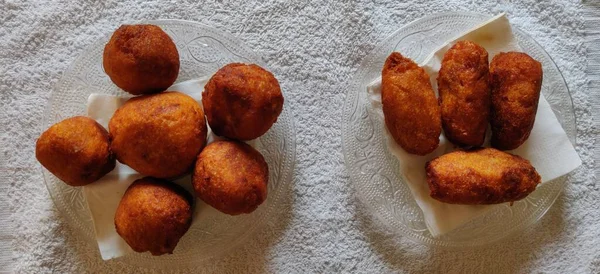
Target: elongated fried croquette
(411,111)
(516,81)
(481,176)
(463,85)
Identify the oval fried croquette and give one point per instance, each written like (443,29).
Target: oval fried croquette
(463,86)
(242,101)
(231,176)
(481,176)
(158,135)
(410,109)
(516,82)
(141,59)
(76,150)
(153,215)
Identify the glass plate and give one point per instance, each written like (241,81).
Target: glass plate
(373,170)
(202,50)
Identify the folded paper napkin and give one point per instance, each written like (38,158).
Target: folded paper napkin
(548,147)
(104,196)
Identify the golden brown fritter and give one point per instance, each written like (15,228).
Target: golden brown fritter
(242,101)
(516,81)
(141,59)
(158,135)
(411,111)
(231,176)
(153,215)
(480,176)
(463,85)
(76,150)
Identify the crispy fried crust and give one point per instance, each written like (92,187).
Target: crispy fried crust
(481,176)
(231,176)
(516,81)
(76,150)
(141,59)
(463,85)
(242,101)
(411,111)
(153,215)
(160,134)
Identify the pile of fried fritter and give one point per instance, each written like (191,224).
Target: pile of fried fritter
(163,135)
(472,94)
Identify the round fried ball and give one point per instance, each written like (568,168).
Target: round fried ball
(158,135)
(242,101)
(141,59)
(231,176)
(76,150)
(153,215)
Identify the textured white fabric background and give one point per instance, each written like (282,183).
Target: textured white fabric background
(313,48)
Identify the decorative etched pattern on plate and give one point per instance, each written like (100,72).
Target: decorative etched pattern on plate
(373,170)
(202,51)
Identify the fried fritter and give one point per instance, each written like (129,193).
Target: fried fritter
(480,176)
(141,59)
(159,134)
(76,150)
(231,176)
(153,215)
(463,85)
(516,82)
(411,111)
(242,101)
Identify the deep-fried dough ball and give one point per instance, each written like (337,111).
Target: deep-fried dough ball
(141,59)
(76,150)
(411,111)
(153,215)
(231,176)
(158,135)
(463,85)
(481,176)
(516,81)
(242,101)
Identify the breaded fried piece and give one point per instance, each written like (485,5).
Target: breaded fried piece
(231,176)
(481,176)
(463,85)
(516,82)
(242,101)
(153,215)
(411,111)
(141,59)
(159,135)
(76,150)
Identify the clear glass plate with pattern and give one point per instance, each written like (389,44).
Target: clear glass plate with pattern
(202,51)
(373,169)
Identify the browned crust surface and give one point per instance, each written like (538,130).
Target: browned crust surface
(481,176)
(231,176)
(76,150)
(516,81)
(242,101)
(463,85)
(411,111)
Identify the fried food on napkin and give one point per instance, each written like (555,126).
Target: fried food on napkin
(153,215)
(516,82)
(480,176)
(411,111)
(231,176)
(76,150)
(141,59)
(242,101)
(158,135)
(463,85)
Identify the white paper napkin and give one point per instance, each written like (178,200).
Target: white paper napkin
(104,196)
(548,147)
